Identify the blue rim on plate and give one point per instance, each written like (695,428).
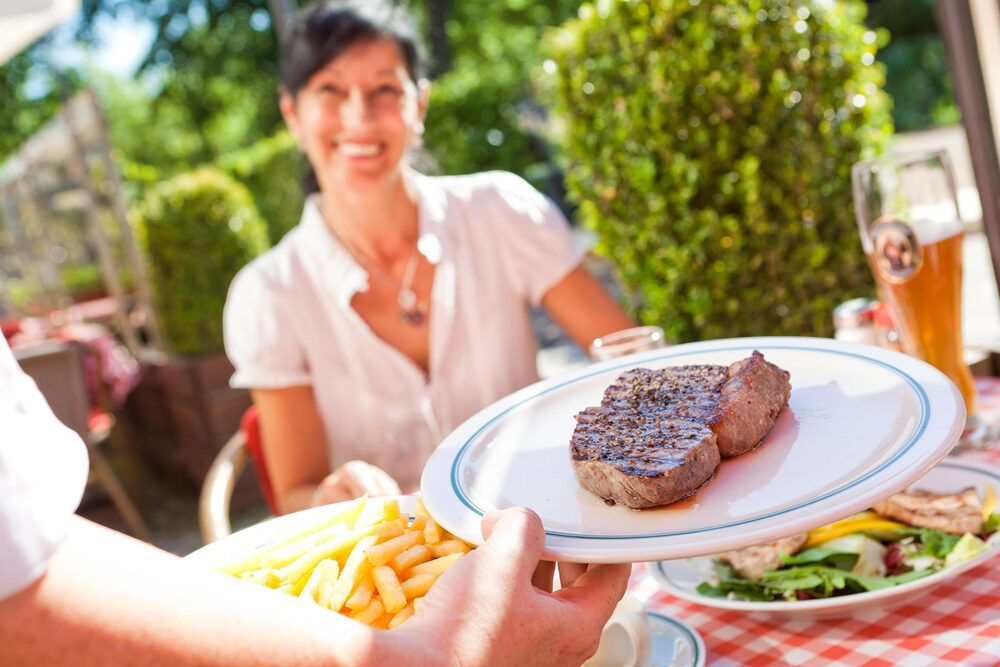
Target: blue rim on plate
(460,492)
(694,640)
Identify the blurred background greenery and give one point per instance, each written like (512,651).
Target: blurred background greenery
(206,87)
(204,95)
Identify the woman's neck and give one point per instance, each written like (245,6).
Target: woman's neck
(381,223)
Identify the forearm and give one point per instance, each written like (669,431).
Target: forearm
(584,310)
(108,599)
(297,498)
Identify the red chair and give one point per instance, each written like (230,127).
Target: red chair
(229,463)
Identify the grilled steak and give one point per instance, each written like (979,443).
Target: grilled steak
(657,436)
(754,393)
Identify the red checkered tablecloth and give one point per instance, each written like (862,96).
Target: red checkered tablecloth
(955,624)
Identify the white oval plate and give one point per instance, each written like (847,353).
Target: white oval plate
(862,423)
(681,577)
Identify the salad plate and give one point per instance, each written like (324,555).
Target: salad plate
(862,424)
(681,578)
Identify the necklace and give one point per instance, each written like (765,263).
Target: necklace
(411,310)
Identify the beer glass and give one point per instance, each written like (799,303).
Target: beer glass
(910,230)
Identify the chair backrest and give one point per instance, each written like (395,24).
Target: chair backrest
(57,368)
(250,425)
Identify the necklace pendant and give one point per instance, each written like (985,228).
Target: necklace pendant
(410,311)
(414,316)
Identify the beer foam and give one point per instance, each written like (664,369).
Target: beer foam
(930,231)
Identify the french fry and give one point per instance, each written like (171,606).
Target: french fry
(385,552)
(417,522)
(402,616)
(362,594)
(326,586)
(371,613)
(432,531)
(280,557)
(418,585)
(437,566)
(387,529)
(378,510)
(354,568)
(263,577)
(254,561)
(419,510)
(311,588)
(382,623)
(332,548)
(448,547)
(416,604)
(389,590)
(415,555)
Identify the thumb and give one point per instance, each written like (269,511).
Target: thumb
(517,536)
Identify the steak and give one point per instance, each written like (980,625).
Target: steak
(659,435)
(753,394)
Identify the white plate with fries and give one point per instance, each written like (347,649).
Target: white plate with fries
(370,559)
(862,424)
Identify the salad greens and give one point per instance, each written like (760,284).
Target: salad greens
(852,563)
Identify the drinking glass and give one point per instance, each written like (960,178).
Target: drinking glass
(908,219)
(627,341)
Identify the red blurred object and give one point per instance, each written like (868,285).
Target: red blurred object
(10,328)
(883,318)
(250,425)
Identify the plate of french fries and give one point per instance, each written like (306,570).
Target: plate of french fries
(371,559)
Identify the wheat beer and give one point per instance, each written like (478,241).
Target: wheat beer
(920,277)
(908,219)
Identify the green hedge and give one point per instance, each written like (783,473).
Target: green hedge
(197,230)
(272,170)
(710,146)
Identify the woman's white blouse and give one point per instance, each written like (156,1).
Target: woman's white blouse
(43,470)
(498,245)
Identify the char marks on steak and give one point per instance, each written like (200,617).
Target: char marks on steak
(657,436)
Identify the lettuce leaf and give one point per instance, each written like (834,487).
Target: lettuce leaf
(813,581)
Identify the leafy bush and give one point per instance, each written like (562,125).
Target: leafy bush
(710,146)
(272,170)
(197,230)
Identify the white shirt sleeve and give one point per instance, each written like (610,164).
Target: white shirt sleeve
(259,338)
(43,471)
(534,236)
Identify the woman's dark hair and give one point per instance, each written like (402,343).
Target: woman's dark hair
(325,29)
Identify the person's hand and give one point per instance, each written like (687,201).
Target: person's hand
(352,480)
(493,606)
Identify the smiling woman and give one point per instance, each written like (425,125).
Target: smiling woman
(400,305)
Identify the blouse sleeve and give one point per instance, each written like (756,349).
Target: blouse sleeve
(43,471)
(259,335)
(534,235)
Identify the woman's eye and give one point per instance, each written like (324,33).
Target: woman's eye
(388,90)
(330,89)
